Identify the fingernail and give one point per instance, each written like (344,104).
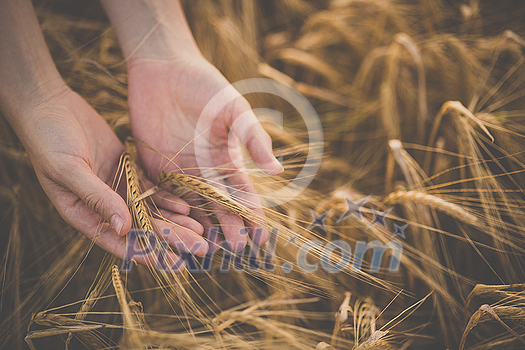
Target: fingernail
(117,223)
(199,248)
(281,168)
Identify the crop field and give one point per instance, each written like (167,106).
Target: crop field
(398,222)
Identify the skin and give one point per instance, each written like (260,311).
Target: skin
(74,152)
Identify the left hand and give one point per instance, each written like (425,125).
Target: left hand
(166,99)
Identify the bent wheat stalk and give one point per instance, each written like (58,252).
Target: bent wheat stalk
(134,193)
(130,325)
(208,191)
(432,201)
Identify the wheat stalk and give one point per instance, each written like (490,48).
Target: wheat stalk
(497,313)
(134,192)
(121,295)
(131,338)
(432,201)
(206,190)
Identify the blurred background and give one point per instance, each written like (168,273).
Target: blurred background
(422,106)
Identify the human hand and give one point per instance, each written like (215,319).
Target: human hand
(170,83)
(166,99)
(75,155)
(74,152)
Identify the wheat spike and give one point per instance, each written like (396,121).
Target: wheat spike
(130,309)
(131,338)
(432,201)
(204,189)
(121,295)
(134,192)
(88,304)
(84,309)
(497,313)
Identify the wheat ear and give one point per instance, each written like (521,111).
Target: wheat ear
(432,201)
(131,338)
(134,192)
(120,291)
(204,189)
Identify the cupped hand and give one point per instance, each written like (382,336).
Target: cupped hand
(75,155)
(166,102)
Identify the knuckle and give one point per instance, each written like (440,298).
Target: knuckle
(266,138)
(239,105)
(95,202)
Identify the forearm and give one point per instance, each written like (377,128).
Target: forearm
(27,72)
(151,28)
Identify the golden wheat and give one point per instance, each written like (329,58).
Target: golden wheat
(497,313)
(134,192)
(374,70)
(432,201)
(207,191)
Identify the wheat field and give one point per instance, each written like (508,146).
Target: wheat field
(422,105)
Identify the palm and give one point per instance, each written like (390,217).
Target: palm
(165,104)
(72,150)
(166,99)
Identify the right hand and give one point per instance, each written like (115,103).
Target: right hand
(75,155)
(166,100)
(74,152)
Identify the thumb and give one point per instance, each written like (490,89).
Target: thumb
(100,198)
(257,141)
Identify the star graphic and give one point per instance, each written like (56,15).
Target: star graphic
(400,231)
(379,217)
(292,240)
(353,208)
(318,220)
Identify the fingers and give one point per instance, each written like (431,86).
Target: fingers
(259,144)
(232,227)
(78,214)
(244,193)
(198,212)
(231,224)
(177,233)
(168,201)
(128,249)
(257,141)
(185,222)
(165,200)
(98,197)
(229,164)
(211,231)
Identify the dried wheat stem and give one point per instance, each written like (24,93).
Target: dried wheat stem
(134,193)
(88,304)
(53,320)
(120,291)
(487,313)
(204,189)
(432,201)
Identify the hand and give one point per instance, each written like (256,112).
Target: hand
(74,152)
(166,98)
(75,155)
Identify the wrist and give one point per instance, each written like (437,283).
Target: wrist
(151,29)
(161,43)
(23,106)
(27,71)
